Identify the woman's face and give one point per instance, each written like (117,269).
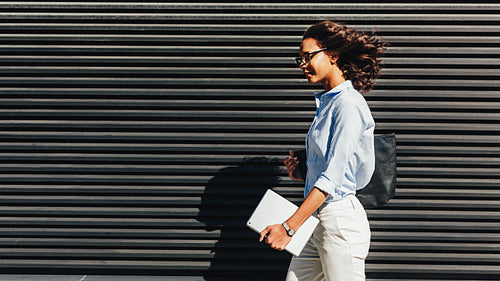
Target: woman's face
(321,66)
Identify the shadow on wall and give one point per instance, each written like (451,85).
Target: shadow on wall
(228,201)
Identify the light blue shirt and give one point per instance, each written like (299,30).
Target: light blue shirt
(340,152)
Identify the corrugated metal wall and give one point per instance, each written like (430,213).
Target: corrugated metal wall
(136,138)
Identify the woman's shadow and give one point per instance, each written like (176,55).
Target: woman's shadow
(228,201)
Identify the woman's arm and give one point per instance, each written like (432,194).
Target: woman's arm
(313,201)
(277,237)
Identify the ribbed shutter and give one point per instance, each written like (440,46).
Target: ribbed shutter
(136,138)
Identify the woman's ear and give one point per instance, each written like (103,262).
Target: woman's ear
(333,58)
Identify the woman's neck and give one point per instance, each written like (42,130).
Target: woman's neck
(335,78)
(330,84)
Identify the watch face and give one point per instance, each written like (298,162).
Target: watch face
(291,232)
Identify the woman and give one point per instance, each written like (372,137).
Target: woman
(340,155)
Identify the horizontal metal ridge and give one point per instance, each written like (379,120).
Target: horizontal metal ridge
(127,179)
(18,149)
(154,233)
(108,253)
(227,27)
(149,148)
(204,254)
(103,264)
(110,232)
(424,216)
(110,242)
(443,161)
(168,129)
(97,211)
(391,62)
(217,39)
(97,222)
(261,17)
(209,243)
(152,201)
(261,115)
(430,226)
(91,71)
(464,247)
(433,116)
(454,182)
(50,136)
(208,157)
(412,222)
(433,237)
(253,6)
(200,265)
(429,269)
(187,215)
(233,82)
(304,94)
(148,160)
(142,190)
(476,172)
(236,199)
(438,203)
(14,103)
(182,189)
(237,105)
(225,50)
(106,114)
(194,266)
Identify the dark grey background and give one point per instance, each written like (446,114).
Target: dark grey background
(136,138)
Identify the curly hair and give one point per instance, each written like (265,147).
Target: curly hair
(359,52)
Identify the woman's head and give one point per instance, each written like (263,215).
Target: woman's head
(356,53)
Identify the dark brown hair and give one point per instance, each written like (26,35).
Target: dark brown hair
(359,53)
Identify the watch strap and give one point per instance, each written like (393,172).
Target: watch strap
(290,232)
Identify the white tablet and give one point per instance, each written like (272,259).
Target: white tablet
(274,209)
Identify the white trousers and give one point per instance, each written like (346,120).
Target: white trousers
(338,247)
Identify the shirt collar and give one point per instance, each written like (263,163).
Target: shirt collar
(338,89)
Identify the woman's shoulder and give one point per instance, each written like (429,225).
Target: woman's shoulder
(349,103)
(350,98)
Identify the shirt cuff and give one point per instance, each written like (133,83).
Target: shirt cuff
(326,185)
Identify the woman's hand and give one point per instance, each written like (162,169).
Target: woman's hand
(292,165)
(277,237)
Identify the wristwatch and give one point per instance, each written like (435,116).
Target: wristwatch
(289,231)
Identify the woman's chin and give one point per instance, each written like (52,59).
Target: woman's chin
(311,80)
